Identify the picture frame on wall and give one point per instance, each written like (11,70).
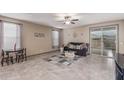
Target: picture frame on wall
(39,35)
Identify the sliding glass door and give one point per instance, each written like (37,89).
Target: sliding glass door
(96,39)
(103,40)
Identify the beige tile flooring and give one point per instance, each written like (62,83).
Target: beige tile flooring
(92,67)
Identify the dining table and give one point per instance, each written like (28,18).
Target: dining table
(13,53)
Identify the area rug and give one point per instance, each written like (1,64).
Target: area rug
(60,59)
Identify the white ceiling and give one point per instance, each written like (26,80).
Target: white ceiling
(51,19)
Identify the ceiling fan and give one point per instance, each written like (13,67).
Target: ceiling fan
(68,20)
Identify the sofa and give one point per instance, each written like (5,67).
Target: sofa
(79,48)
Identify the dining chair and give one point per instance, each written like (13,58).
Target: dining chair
(5,58)
(19,55)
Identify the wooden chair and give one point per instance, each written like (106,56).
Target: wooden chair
(6,58)
(19,55)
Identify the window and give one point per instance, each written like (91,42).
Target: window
(55,39)
(11,36)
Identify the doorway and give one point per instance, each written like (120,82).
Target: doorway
(104,40)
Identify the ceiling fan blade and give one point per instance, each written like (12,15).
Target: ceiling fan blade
(72,22)
(75,20)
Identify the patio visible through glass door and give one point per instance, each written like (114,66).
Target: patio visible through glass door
(96,39)
(103,41)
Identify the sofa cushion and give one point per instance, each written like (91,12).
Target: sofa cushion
(71,46)
(78,47)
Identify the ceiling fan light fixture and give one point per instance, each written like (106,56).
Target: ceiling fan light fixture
(69,20)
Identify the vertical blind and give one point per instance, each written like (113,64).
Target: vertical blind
(10,36)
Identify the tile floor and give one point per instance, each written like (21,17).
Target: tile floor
(92,67)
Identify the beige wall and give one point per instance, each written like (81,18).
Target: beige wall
(34,45)
(82,33)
